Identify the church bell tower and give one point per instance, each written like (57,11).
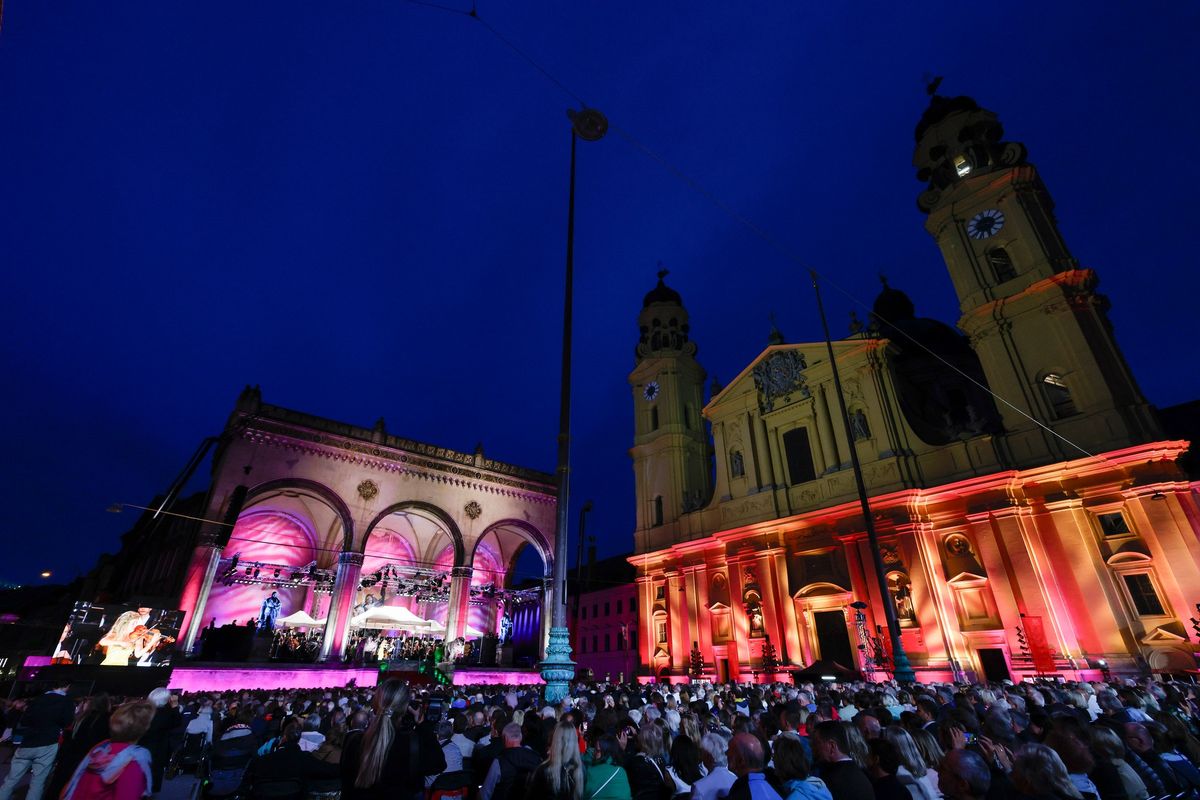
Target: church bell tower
(670,446)
(1032,313)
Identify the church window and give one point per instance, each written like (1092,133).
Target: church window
(1145,599)
(660,593)
(1058,395)
(799,456)
(737,464)
(662,632)
(1113,524)
(658,510)
(654,418)
(607,642)
(1002,265)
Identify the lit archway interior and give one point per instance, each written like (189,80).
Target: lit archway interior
(266,541)
(406,550)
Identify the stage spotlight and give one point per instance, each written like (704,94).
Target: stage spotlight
(277,573)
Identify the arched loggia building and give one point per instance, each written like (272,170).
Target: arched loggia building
(337,518)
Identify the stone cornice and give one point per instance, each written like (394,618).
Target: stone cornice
(439,464)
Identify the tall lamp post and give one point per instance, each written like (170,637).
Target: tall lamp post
(557,668)
(901,667)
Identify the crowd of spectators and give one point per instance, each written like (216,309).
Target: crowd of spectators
(865,741)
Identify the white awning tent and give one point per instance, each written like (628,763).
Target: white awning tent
(300,619)
(388,618)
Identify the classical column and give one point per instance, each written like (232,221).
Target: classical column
(645,612)
(201,572)
(681,646)
(825,432)
(791,632)
(345,589)
(460,599)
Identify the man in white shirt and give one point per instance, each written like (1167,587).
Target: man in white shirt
(719,779)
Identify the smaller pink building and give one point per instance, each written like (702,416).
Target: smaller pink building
(604,629)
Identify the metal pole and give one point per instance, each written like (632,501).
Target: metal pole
(557,668)
(901,667)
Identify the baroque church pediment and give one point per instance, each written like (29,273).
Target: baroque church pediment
(1162,635)
(965,580)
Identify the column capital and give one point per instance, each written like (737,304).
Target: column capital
(208,537)
(352,558)
(462,572)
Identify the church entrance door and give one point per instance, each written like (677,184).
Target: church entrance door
(995,668)
(833,639)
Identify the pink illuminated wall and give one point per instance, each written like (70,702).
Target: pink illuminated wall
(268,537)
(388,547)
(218,679)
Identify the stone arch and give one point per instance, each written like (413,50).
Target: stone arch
(529,533)
(820,589)
(321,491)
(428,509)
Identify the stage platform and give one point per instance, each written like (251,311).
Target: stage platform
(228,676)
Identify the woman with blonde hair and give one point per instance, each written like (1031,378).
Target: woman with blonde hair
(560,776)
(393,755)
(1039,772)
(117,768)
(913,772)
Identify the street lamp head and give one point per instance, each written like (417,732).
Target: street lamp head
(588,124)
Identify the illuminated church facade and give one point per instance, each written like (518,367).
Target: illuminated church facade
(1046,529)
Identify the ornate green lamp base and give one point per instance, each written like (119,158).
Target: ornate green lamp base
(558,669)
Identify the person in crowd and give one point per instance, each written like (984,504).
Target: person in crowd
(845,779)
(36,736)
(964,775)
(747,760)
(330,750)
(484,755)
(167,719)
(1039,773)
(648,776)
(90,728)
(794,771)
(392,757)
(561,775)
(714,750)
(922,782)
(686,765)
(882,769)
(1114,778)
(605,778)
(117,768)
(450,751)
(509,773)
(287,762)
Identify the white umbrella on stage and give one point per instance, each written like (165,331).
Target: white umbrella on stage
(435,626)
(472,633)
(300,619)
(388,618)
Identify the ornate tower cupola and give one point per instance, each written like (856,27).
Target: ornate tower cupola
(1032,314)
(670,448)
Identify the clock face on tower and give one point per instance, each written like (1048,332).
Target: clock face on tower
(650,392)
(985,224)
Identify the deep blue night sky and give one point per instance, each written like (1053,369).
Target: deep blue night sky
(361,207)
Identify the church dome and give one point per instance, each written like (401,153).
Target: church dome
(893,306)
(940,108)
(663,323)
(662,293)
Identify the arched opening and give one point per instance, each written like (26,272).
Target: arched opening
(270,571)
(400,606)
(1001,264)
(1058,396)
(507,611)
